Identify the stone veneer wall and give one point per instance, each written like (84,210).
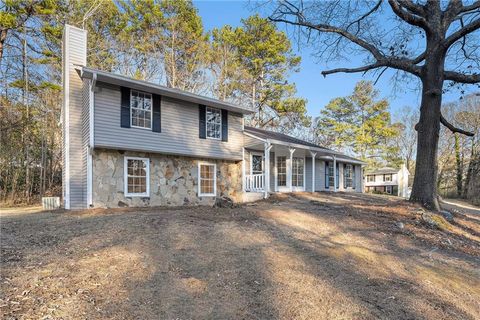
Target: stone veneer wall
(173,180)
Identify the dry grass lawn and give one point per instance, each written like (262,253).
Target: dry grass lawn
(306,256)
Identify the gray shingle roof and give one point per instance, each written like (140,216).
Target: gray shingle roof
(265,134)
(384,170)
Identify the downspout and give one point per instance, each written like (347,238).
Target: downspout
(91,142)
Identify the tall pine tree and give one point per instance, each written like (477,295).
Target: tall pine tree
(359,124)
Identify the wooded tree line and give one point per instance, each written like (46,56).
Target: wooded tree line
(158,41)
(459,159)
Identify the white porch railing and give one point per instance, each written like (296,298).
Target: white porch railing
(254,182)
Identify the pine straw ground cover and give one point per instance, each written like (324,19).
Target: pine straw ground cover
(308,256)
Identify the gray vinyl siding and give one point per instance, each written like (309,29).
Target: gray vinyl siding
(319,175)
(308,174)
(358,178)
(247,161)
(76,56)
(179,126)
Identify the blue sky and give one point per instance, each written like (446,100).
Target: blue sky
(310,83)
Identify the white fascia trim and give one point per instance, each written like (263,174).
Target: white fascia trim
(125,177)
(203,163)
(253,136)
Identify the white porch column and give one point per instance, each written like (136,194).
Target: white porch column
(334,173)
(313,154)
(290,169)
(243,170)
(266,178)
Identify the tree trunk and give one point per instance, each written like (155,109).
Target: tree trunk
(3,38)
(424,189)
(459,166)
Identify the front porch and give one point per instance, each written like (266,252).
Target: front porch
(278,166)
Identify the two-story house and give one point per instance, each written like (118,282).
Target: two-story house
(128,142)
(388,180)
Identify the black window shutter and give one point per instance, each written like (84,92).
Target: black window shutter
(125,108)
(156,125)
(224,125)
(202,130)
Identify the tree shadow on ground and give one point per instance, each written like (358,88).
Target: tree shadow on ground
(292,259)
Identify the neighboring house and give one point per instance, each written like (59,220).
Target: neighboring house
(128,142)
(388,180)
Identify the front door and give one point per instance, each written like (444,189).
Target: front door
(298,174)
(257,164)
(282,174)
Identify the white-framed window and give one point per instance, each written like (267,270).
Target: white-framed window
(214,123)
(297,171)
(348,175)
(387,177)
(140,109)
(370,178)
(137,177)
(207,179)
(281,171)
(329,172)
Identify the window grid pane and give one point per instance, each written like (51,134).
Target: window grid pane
(141,109)
(213,123)
(297,172)
(136,176)
(282,171)
(207,179)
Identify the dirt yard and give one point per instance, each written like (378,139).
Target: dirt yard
(292,257)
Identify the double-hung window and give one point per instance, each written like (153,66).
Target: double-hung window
(213,123)
(370,178)
(137,177)
(331,179)
(281,171)
(387,177)
(141,109)
(207,176)
(348,176)
(297,172)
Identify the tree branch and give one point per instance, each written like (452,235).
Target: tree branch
(331,29)
(453,128)
(412,7)
(357,22)
(469,28)
(353,70)
(473,6)
(408,16)
(461,77)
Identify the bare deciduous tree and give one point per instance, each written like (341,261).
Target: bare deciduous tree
(431,40)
